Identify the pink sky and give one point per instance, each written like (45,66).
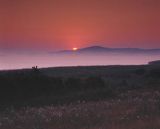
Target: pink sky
(63,24)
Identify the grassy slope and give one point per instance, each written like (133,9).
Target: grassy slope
(137,107)
(133,110)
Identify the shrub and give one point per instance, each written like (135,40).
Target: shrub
(94,82)
(73,84)
(154,73)
(140,71)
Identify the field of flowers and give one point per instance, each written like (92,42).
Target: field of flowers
(131,110)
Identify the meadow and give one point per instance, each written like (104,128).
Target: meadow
(89,97)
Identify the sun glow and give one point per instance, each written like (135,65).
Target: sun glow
(74,49)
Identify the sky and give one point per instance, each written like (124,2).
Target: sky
(64,24)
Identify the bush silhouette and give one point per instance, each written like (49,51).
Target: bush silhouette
(94,82)
(154,73)
(73,84)
(140,71)
(25,86)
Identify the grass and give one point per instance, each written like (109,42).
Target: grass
(107,97)
(132,110)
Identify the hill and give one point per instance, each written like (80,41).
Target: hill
(157,62)
(88,97)
(100,50)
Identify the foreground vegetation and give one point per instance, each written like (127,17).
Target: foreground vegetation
(133,110)
(114,97)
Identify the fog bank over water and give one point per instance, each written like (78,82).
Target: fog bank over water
(20,61)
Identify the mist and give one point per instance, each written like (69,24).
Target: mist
(27,60)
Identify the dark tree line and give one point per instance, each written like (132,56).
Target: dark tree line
(20,86)
(27,85)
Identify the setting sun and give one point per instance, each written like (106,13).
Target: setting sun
(74,49)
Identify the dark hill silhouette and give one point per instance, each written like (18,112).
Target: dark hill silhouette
(100,49)
(157,62)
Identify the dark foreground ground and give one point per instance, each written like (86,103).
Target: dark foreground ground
(104,97)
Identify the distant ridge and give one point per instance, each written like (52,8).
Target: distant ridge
(100,50)
(156,62)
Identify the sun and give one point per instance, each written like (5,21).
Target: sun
(74,48)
